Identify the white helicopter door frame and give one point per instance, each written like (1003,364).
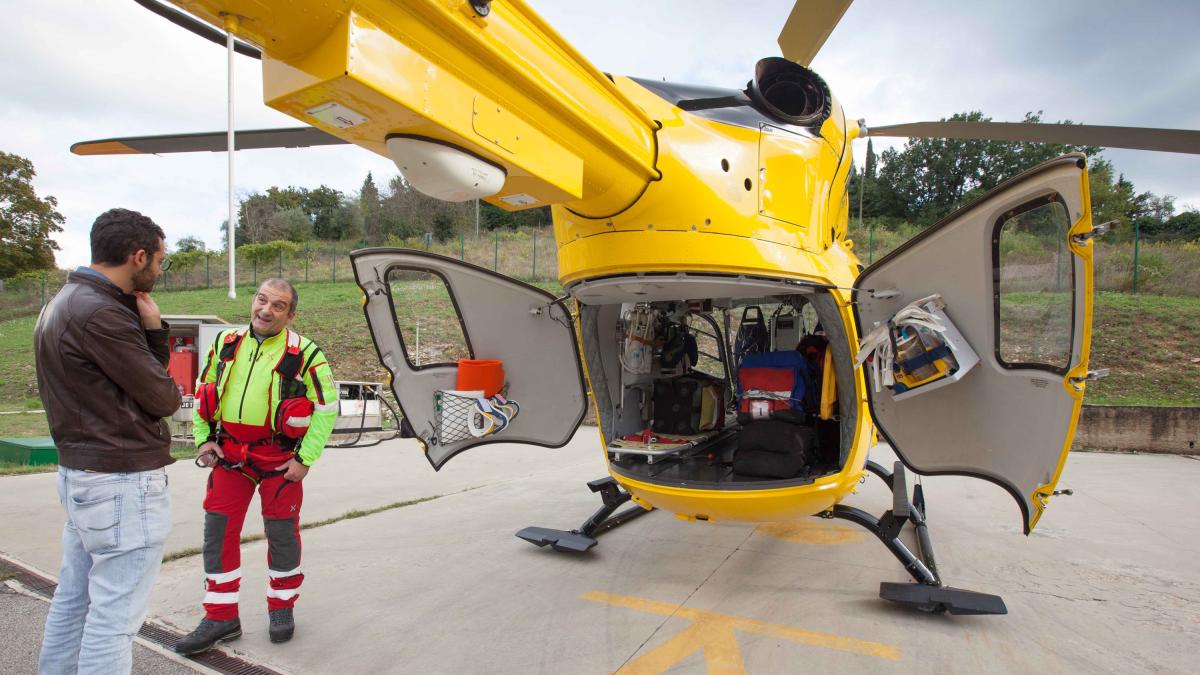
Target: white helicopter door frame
(526,328)
(1015,272)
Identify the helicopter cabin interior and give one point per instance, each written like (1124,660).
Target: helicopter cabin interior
(725,382)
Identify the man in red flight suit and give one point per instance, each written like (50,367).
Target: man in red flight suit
(265,406)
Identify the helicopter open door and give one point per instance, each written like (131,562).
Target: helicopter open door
(1014,271)
(525,328)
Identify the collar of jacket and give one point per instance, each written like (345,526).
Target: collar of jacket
(268,341)
(104,285)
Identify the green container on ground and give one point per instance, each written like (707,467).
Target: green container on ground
(31,451)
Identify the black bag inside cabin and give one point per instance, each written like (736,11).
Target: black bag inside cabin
(774,449)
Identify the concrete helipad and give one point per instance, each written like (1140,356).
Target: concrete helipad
(1107,583)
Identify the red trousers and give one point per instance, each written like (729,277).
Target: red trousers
(225,504)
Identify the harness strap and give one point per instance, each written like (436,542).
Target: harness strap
(248,462)
(289,368)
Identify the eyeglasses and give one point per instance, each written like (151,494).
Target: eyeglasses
(165,264)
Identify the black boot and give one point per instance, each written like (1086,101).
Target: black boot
(282,624)
(207,634)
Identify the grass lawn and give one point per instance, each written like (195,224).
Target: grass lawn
(1150,345)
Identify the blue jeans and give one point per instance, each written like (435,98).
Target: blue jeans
(117,525)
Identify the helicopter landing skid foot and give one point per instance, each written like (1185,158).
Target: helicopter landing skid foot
(584,538)
(939,599)
(928,594)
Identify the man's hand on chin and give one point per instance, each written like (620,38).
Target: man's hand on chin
(294,470)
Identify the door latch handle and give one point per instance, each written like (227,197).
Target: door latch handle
(1097,231)
(1091,376)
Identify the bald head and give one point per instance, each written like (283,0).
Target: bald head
(283,286)
(273,307)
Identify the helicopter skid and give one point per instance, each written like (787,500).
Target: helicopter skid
(939,599)
(559,540)
(583,539)
(928,594)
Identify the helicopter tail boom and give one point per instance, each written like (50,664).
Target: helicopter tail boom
(490,79)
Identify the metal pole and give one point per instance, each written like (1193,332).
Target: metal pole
(254,266)
(43,289)
(280,275)
(862,186)
(476,218)
(207,271)
(306,263)
(1058,267)
(230,25)
(496,254)
(533,272)
(335,259)
(1137,232)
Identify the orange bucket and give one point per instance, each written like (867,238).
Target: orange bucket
(487,375)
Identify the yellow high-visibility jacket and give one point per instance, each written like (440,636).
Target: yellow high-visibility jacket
(250,387)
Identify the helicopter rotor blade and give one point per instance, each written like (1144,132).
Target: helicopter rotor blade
(198,27)
(1135,138)
(808,26)
(251,139)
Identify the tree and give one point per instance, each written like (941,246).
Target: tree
(322,205)
(26,221)
(254,212)
(184,261)
(872,161)
(493,217)
(347,222)
(931,177)
(443,227)
(1182,227)
(404,211)
(291,224)
(369,202)
(188,244)
(287,198)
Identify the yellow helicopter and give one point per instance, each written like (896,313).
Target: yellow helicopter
(678,210)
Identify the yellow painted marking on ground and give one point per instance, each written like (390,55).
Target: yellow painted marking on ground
(812,532)
(714,633)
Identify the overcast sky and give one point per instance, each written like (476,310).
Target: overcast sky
(79,69)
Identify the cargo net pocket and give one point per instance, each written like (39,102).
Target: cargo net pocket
(453,410)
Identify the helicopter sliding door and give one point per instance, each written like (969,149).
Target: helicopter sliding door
(469,312)
(1014,270)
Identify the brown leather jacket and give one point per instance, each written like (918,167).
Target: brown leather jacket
(102,379)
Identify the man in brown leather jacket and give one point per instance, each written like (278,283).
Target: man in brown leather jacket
(101,350)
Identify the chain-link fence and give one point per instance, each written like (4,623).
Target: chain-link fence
(1161,268)
(528,254)
(1165,268)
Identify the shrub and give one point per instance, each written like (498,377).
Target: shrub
(1023,245)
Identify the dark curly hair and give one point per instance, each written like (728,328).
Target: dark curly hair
(118,233)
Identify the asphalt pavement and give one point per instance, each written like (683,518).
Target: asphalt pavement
(1106,583)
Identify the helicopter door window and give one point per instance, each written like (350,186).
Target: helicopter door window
(710,345)
(427,319)
(1035,286)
